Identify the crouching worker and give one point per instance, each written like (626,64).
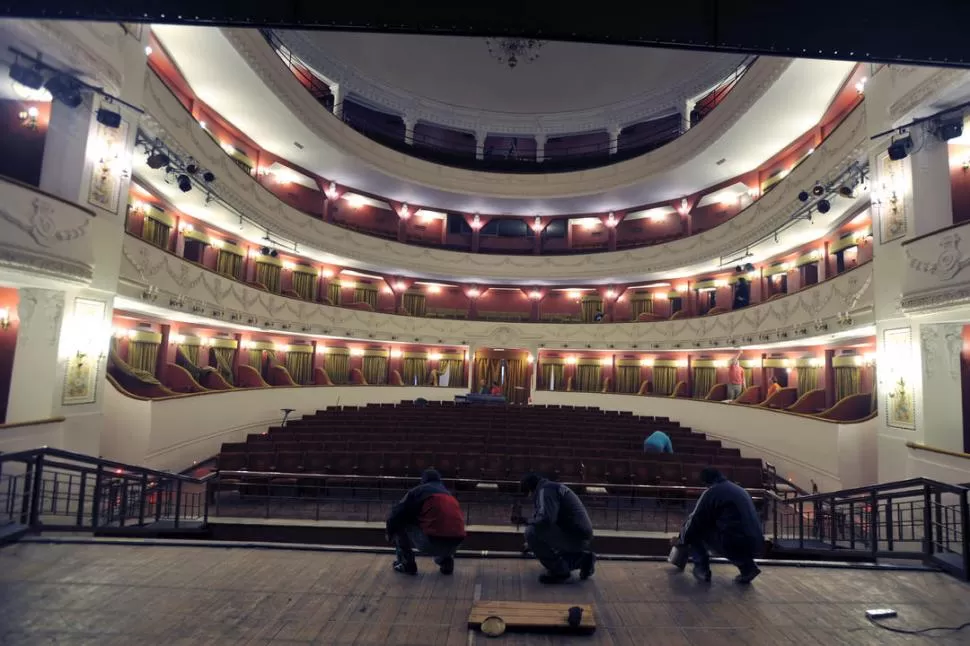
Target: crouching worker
(724,521)
(428,519)
(559,532)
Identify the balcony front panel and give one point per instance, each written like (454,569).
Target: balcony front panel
(42,236)
(162,280)
(938,270)
(169,120)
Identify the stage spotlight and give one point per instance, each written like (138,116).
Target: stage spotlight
(739,269)
(274,253)
(184,183)
(803,196)
(27,76)
(749,267)
(847,190)
(264,251)
(157,160)
(818,190)
(823,206)
(109,118)
(208,176)
(900,148)
(950,128)
(191,168)
(65,89)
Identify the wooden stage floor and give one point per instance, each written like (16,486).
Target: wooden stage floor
(121,594)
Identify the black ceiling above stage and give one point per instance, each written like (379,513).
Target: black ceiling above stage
(929,32)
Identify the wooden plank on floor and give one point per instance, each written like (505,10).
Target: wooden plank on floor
(530,616)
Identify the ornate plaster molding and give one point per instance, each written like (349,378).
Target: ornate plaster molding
(839,303)
(263,60)
(655,103)
(40,312)
(93,48)
(938,79)
(167,119)
(941,345)
(42,235)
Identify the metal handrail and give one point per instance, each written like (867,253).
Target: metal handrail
(32,454)
(879,488)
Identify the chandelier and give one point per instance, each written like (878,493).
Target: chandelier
(512,51)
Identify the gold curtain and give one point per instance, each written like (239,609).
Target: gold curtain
(748,377)
(300,366)
(256,360)
(155,232)
(375,370)
(483,372)
(191,353)
(333,293)
(143,355)
(591,305)
(229,264)
(664,379)
(414,304)
(457,375)
(847,380)
(552,375)
(807,379)
(627,379)
(640,304)
(515,371)
(704,380)
(269,276)
(587,378)
(224,362)
(366,295)
(303,285)
(415,371)
(338,367)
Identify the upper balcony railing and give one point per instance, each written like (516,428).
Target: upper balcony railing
(462,150)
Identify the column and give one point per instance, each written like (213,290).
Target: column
(932,201)
(33,382)
(540,148)
(688,107)
(338,100)
(480,144)
(614,132)
(409,123)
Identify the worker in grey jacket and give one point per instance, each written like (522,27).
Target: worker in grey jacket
(559,532)
(725,521)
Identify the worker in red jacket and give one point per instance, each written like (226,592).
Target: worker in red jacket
(429,519)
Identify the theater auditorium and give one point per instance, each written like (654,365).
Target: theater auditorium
(256,282)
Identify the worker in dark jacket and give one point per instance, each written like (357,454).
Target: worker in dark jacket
(725,521)
(559,532)
(427,518)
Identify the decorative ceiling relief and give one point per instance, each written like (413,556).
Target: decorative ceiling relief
(184,286)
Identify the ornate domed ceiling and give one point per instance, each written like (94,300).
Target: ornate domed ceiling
(467,82)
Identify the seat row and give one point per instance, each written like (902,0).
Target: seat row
(333,465)
(260,443)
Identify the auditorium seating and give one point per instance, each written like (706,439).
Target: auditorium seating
(474,445)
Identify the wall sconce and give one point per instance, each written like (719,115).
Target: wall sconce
(610,294)
(529,358)
(405,212)
(473,293)
(28,118)
(435,356)
(400,286)
(571,360)
(356,352)
(332,191)
(537,224)
(477,222)
(611,220)
(536,295)
(646,362)
(4,318)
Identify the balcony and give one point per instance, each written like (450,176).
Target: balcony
(43,236)
(152,277)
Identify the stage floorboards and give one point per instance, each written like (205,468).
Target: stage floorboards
(120,594)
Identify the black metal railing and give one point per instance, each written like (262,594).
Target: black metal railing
(911,519)
(444,148)
(51,489)
(306,496)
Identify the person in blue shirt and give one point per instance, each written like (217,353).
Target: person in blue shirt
(658,442)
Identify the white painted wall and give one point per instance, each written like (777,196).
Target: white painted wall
(835,456)
(945,468)
(174,433)
(24,438)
